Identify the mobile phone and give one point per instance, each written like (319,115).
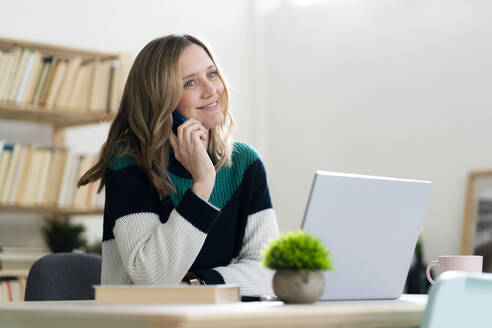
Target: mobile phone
(178,119)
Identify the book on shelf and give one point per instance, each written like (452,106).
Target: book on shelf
(66,80)
(68,83)
(18,73)
(45,176)
(24,94)
(210,294)
(55,84)
(121,70)
(40,84)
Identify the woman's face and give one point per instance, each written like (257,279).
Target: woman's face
(202,88)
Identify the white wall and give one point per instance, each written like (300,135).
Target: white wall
(124,26)
(394,88)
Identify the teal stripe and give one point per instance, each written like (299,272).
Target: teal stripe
(227,180)
(117,163)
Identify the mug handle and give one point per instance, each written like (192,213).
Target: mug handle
(428,273)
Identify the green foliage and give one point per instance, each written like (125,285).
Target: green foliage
(63,236)
(297,251)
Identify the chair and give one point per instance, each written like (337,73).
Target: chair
(63,276)
(460,299)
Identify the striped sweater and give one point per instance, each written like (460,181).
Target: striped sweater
(148,241)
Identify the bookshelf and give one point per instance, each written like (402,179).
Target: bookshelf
(61,86)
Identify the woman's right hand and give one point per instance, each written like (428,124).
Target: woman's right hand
(190,151)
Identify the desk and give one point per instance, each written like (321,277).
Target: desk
(406,311)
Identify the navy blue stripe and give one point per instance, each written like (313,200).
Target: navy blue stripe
(211,277)
(194,209)
(128,191)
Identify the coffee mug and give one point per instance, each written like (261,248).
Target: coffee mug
(468,263)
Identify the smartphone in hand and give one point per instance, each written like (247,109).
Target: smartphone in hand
(178,119)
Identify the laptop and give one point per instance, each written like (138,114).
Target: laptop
(370,226)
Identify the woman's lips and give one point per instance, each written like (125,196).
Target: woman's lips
(209,106)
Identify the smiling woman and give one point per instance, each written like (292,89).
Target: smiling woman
(188,205)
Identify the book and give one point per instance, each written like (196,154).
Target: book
(16,68)
(72,71)
(55,85)
(80,194)
(80,92)
(11,171)
(4,166)
(13,180)
(46,163)
(32,75)
(55,175)
(40,84)
(100,87)
(212,294)
(20,181)
(49,81)
(5,71)
(120,74)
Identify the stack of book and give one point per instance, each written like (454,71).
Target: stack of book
(28,76)
(45,176)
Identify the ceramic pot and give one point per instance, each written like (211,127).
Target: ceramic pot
(293,286)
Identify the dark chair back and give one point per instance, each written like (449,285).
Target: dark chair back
(63,276)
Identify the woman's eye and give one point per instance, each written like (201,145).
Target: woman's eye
(189,84)
(212,74)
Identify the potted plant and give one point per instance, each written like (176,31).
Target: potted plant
(299,260)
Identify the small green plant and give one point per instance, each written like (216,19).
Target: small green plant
(297,251)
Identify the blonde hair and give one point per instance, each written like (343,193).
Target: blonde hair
(143,122)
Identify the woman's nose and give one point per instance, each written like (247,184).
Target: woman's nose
(209,90)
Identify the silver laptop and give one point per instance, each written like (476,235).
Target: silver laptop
(370,225)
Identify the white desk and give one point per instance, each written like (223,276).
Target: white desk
(404,312)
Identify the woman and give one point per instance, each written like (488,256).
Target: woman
(191,206)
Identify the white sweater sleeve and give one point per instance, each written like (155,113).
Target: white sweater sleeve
(246,270)
(156,253)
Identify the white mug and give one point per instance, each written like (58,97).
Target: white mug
(468,263)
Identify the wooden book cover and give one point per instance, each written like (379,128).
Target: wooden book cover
(212,294)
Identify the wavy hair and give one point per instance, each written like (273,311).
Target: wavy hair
(143,122)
